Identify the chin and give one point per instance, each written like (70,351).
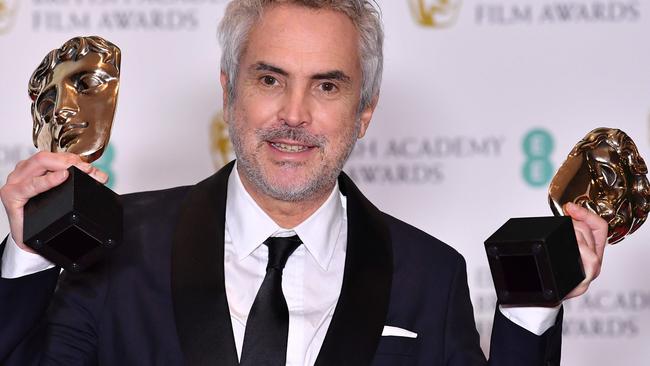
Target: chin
(287,182)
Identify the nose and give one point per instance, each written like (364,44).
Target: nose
(66,105)
(295,110)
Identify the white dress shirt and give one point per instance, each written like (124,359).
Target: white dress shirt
(312,277)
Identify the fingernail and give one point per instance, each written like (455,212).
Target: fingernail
(63,174)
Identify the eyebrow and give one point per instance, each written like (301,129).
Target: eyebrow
(332,75)
(261,66)
(329,75)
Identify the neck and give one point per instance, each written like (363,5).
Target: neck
(287,214)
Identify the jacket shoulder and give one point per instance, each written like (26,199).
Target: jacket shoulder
(152,204)
(416,246)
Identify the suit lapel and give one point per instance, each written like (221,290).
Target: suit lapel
(197,275)
(198,288)
(361,310)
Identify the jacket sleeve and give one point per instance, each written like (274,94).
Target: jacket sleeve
(49,326)
(462,341)
(72,323)
(23,303)
(511,345)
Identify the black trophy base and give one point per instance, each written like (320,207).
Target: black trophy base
(534,260)
(75,223)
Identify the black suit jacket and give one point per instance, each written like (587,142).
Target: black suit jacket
(159,298)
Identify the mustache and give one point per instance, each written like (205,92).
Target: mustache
(297,134)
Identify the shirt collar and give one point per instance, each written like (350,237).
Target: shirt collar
(248,225)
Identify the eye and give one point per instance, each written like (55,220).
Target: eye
(269,80)
(45,106)
(90,82)
(328,87)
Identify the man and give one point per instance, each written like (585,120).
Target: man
(213,274)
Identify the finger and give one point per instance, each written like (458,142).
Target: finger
(98,174)
(591,262)
(586,236)
(597,225)
(20,193)
(44,162)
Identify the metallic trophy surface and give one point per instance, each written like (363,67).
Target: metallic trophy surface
(535,260)
(606,174)
(74,94)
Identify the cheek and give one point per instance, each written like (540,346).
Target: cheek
(254,114)
(97,109)
(337,125)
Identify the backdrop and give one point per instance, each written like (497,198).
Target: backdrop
(481,102)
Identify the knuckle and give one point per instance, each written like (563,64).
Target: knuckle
(71,158)
(11,177)
(40,156)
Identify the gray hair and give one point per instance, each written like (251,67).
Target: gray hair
(241,15)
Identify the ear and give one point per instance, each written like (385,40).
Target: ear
(224,88)
(366,116)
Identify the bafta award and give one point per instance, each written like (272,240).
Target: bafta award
(535,260)
(74,94)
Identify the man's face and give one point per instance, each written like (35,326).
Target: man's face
(74,112)
(295,116)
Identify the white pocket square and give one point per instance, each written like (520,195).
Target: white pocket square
(397,332)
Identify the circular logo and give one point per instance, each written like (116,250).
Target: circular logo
(538,145)
(435,13)
(220,145)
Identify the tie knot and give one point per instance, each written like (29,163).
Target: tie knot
(280,248)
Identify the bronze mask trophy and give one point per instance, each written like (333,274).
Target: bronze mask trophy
(536,260)
(74,93)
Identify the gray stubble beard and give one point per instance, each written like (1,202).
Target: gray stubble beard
(317,184)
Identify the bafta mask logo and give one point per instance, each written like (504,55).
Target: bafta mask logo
(435,13)
(220,145)
(8,10)
(74,95)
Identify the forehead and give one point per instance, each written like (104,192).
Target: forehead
(305,38)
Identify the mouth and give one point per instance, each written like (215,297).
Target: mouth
(290,147)
(70,132)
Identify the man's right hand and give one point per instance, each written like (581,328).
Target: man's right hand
(41,172)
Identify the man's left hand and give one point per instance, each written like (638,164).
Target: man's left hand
(591,233)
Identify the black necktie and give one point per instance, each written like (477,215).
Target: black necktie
(267,327)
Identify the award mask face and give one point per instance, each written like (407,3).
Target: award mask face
(74,93)
(605,173)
